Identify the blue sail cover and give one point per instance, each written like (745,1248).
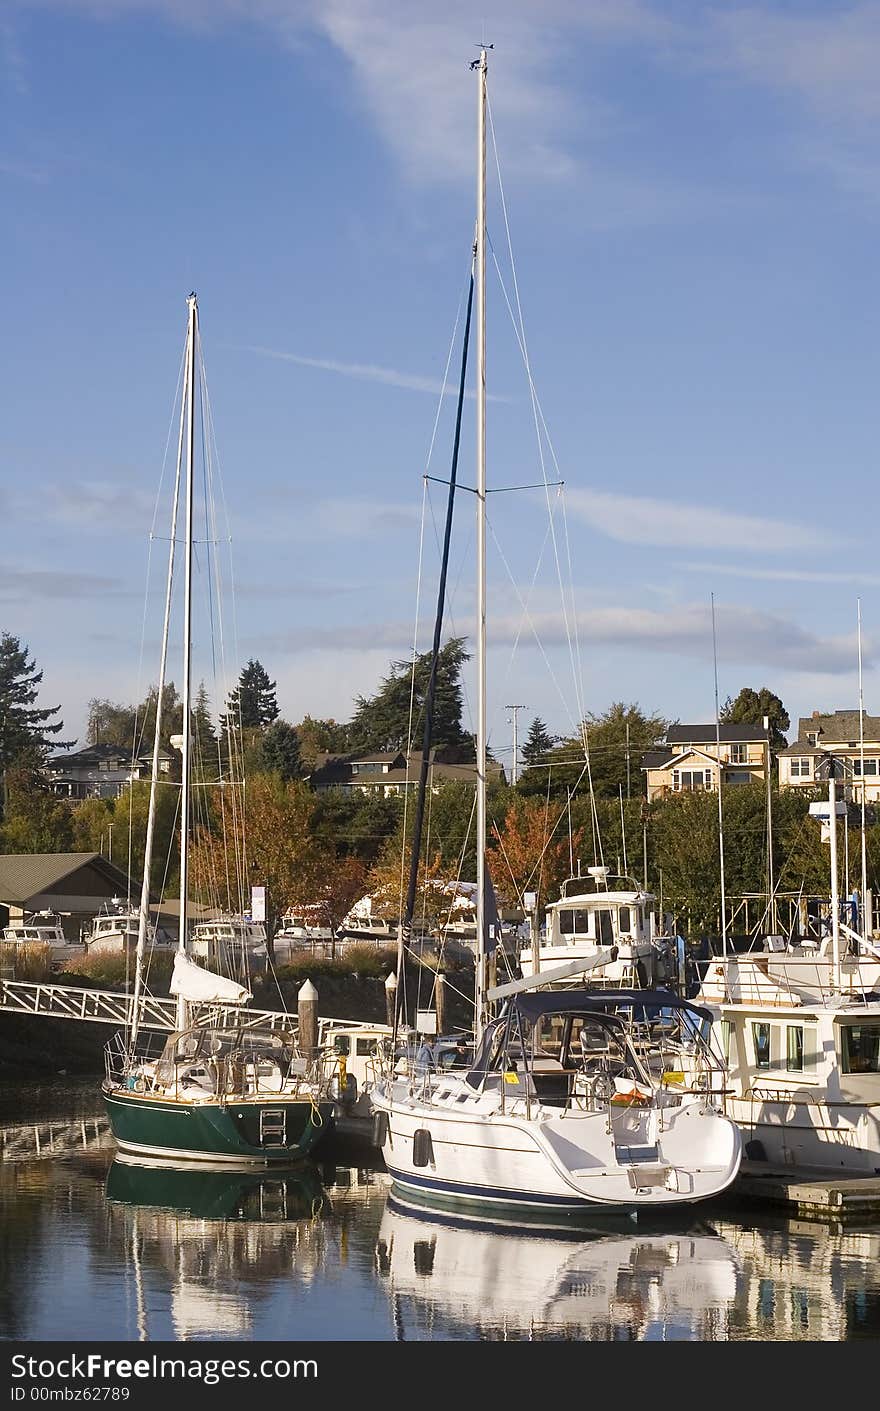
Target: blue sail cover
(491,918)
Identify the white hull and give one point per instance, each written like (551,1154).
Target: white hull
(554,1160)
(798,1131)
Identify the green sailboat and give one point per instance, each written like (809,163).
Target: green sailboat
(217,1092)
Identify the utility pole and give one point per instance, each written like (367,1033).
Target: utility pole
(515,770)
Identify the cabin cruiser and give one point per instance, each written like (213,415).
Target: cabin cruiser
(229,945)
(586,924)
(302,933)
(361,925)
(44,928)
(115,929)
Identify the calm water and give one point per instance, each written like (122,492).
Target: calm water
(90,1248)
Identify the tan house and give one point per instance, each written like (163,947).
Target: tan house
(694,755)
(839,734)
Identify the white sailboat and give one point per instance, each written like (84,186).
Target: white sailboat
(569,1104)
(215,1093)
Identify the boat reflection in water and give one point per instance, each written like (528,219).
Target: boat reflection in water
(619,1281)
(217,1239)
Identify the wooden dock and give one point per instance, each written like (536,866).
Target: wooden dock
(817,1194)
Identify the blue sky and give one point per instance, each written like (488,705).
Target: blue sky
(693,198)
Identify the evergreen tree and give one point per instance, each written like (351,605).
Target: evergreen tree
(538,742)
(24,727)
(280,750)
(204,734)
(382,722)
(252,705)
(750,707)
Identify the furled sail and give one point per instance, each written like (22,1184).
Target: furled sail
(201,986)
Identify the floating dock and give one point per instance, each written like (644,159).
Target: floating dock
(814,1193)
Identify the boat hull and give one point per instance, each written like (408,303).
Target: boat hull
(175,1130)
(563,1163)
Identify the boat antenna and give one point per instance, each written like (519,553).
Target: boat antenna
(866,921)
(720,813)
(405,928)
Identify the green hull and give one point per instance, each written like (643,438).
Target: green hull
(219,1195)
(229,1133)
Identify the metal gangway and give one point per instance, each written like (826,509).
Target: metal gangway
(49,1001)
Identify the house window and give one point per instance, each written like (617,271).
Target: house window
(691,780)
(738,776)
(870,766)
(761,1040)
(800,769)
(739,754)
(811,738)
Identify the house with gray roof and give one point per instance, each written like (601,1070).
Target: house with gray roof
(101,771)
(853,742)
(391,773)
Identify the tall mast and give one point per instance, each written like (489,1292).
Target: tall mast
(480,980)
(866,920)
(144,914)
(186,749)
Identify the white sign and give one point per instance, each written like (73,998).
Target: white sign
(258,903)
(426,1021)
(529,900)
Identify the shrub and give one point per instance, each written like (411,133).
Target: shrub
(114,968)
(27,961)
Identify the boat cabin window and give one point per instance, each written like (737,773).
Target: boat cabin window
(761,1041)
(342,1044)
(624,921)
(364,1048)
(794,1048)
(604,928)
(726,1039)
(574,923)
(860,1048)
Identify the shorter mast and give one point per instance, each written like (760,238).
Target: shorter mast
(144,913)
(405,928)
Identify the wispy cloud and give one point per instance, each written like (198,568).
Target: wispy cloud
(369,372)
(25,584)
(634,520)
(779,575)
(98,505)
(744,634)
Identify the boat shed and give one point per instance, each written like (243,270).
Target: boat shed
(73,884)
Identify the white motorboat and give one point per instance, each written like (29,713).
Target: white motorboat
(115,929)
(44,928)
(586,923)
(800,1031)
